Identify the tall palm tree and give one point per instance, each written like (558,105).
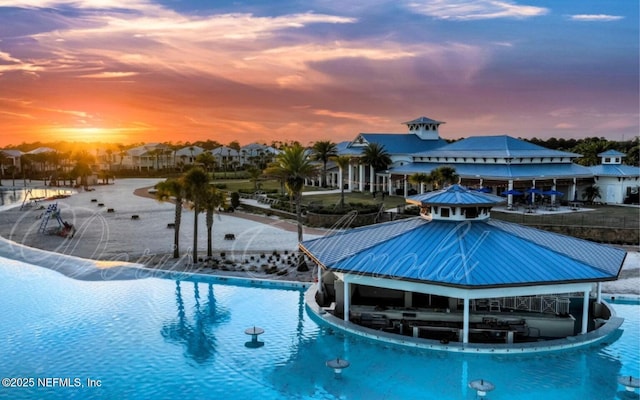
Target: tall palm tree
(196,183)
(175,188)
(213,198)
(324,150)
(378,159)
(293,165)
(207,159)
(343,163)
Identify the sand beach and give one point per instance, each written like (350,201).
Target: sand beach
(123,225)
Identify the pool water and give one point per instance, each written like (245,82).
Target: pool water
(180,337)
(12,196)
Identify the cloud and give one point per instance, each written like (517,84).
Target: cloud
(564,125)
(109,75)
(595,17)
(468,10)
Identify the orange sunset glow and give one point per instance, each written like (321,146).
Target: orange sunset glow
(161,71)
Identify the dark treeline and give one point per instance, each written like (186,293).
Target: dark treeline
(590,147)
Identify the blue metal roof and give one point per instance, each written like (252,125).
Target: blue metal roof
(615,170)
(494,146)
(402,143)
(423,120)
(455,195)
(500,171)
(611,153)
(465,254)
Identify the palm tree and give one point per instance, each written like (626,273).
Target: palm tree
(324,150)
(421,179)
(343,163)
(207,159)
(378,159)
(213,199)
(444,176)
(175,188)
(591,193)
(196,183)
(254,176)
(294,167)
(82,167)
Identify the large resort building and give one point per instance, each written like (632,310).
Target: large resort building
(500,163)
(455,279)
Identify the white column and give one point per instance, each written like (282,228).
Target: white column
(372,179)
(585,312)
(574,187)
(599,298)
(347,298)
(510,197)
(421,187)
(406,186)
(390,185)
(465,321)
(350,176)
(320,280)
(553,196)
(361,177)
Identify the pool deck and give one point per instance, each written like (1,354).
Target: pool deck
(105,240)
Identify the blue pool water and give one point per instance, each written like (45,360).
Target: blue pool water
(172,338)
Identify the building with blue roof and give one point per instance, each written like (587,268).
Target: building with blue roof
(500,162)
(455,274)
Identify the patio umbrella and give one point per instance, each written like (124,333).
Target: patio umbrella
(484,190)
(512,192)
(552,193)
(534,191)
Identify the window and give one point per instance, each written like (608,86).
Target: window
(444,212)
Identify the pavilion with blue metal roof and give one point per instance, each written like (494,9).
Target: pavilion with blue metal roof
(455,250)
(500,162)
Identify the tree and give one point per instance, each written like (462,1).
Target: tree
(421,179)
(293,166)
(175,188)
(82,168)
(254,176)
(444,176)
(196,182)
(343,163)
(213,198)
(378,159)
(590,148)
(207,159)
(324,150)
(591,193)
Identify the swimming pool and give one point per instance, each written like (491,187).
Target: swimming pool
(177,336)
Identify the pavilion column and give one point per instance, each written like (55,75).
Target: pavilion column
(574,190)
(372,179)
(553,196)
(465,321)
(361,177)
(585,312)
(599,298)
(510,197)
(406,186)
(421,187)
(347,298)
(390,185)
(350,177)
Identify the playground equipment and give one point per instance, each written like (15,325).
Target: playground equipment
(64,228)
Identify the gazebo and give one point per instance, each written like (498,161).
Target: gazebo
(454,274)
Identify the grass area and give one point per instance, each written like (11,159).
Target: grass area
(601,215)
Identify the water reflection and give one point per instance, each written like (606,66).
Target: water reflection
(195,334)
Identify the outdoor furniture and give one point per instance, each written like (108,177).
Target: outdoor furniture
(229,236)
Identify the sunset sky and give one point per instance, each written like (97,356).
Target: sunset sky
(263,70)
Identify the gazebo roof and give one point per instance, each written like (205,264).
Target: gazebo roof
(469,254)
(455,195)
